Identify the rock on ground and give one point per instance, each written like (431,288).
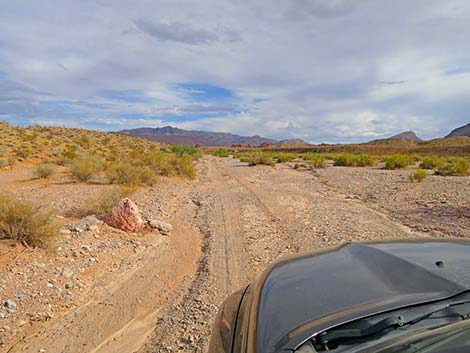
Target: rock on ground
(125,216)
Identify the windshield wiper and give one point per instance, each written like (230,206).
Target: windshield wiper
(402,319)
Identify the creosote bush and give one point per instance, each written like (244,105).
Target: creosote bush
(259,158)
(318,161)
(432,162)
(129,174)
(85,167)
(398,161)
(22,221)
(418,175)
(222,152)
(456,167)
(353,160)
(44,171)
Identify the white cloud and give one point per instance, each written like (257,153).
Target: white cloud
(322,70)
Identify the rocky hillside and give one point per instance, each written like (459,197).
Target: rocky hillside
(460,131)
(172,135)
(406,135)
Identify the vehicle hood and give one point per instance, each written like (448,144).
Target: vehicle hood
(302,296)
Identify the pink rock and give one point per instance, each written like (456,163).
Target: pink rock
(125,216)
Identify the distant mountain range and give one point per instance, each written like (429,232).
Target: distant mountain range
(173,135)
(460,131)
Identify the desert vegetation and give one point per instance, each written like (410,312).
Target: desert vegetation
(21,220)
(94,157)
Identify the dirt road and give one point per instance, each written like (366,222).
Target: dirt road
(230,224)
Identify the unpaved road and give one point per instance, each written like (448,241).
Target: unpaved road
(230,224)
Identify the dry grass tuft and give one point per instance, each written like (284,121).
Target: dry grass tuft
(22,221)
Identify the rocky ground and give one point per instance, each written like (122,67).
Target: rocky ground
(104,290)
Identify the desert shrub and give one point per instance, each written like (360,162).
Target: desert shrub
(318,161)
(23,153)
(457,167)
(418,175)
(22,221)
(101,204)
(397,161)
(353,160)
(344,160)
(363,160)
(184,166)
(260,158)
(3,163)
(129,174)
(181,150)
(222,152)
(284,157)
(85,167)
(432,162)
(44,171)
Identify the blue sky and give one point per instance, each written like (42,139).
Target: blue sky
(321,70)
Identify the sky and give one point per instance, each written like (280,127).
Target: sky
(321,70)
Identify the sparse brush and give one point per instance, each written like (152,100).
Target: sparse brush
(181,150)
(104,202)
(22,221)
(318,161)
(85,167)
(353,160)
(222,152)
(398,161)
(260,158)
(3,163)
(432,162)
(457,167)
(418,175)
(127,174)
(284,157)
(44,171)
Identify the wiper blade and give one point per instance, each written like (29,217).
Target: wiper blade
(405,319)
(382,325)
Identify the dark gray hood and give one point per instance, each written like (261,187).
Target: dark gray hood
(302,296)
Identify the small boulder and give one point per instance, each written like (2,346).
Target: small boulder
(10,305)
(125,216)
(163,227)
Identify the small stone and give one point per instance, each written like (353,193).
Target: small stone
(10,305)
(67,272)
(68,285)
(2,314)
(40,264)
(163,227)
(125,216)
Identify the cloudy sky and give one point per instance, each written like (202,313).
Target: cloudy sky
(321,70)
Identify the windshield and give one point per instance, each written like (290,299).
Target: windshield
(417,321)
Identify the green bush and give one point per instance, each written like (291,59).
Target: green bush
(432,162)
(398,161)
(44,171)
(128,174)
(85,167)
(418,175)
(260,158)
(222,152)
(184,166)
(284,157)
(457,167)
(353,160)
(181,150)
(22,221)
(318,161)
